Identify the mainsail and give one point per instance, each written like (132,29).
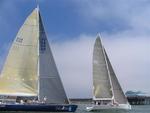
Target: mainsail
(101,82)
(19,74)
(30,69)
(105,82)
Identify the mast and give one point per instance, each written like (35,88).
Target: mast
(37,4)
(38,71)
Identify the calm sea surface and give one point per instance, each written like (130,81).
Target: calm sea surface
(135,109)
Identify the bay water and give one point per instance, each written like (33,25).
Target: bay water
(135,109)
(81,109)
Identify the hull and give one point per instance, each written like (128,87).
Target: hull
(109,107)
(38,107)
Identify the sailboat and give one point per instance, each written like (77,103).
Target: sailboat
(107,92)
(30,75)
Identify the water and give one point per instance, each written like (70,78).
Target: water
(135,109)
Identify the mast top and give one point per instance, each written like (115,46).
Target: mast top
(98,35)
(37,4)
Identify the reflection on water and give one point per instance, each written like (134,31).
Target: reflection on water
(81,109)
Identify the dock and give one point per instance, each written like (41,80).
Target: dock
(139,100)
(133,100)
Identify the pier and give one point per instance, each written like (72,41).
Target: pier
(133,100)
(139,100)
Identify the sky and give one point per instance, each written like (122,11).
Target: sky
(72,27)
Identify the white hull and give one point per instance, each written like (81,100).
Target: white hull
(109,107)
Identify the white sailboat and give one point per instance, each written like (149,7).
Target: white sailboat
(107,92)
(30,71)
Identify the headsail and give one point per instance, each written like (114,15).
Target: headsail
(117,90)
(19,74)
(50,86)
(101,82)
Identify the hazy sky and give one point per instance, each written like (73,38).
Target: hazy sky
(72,27)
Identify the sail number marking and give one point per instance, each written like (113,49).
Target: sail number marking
(42,44)
(19,40)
